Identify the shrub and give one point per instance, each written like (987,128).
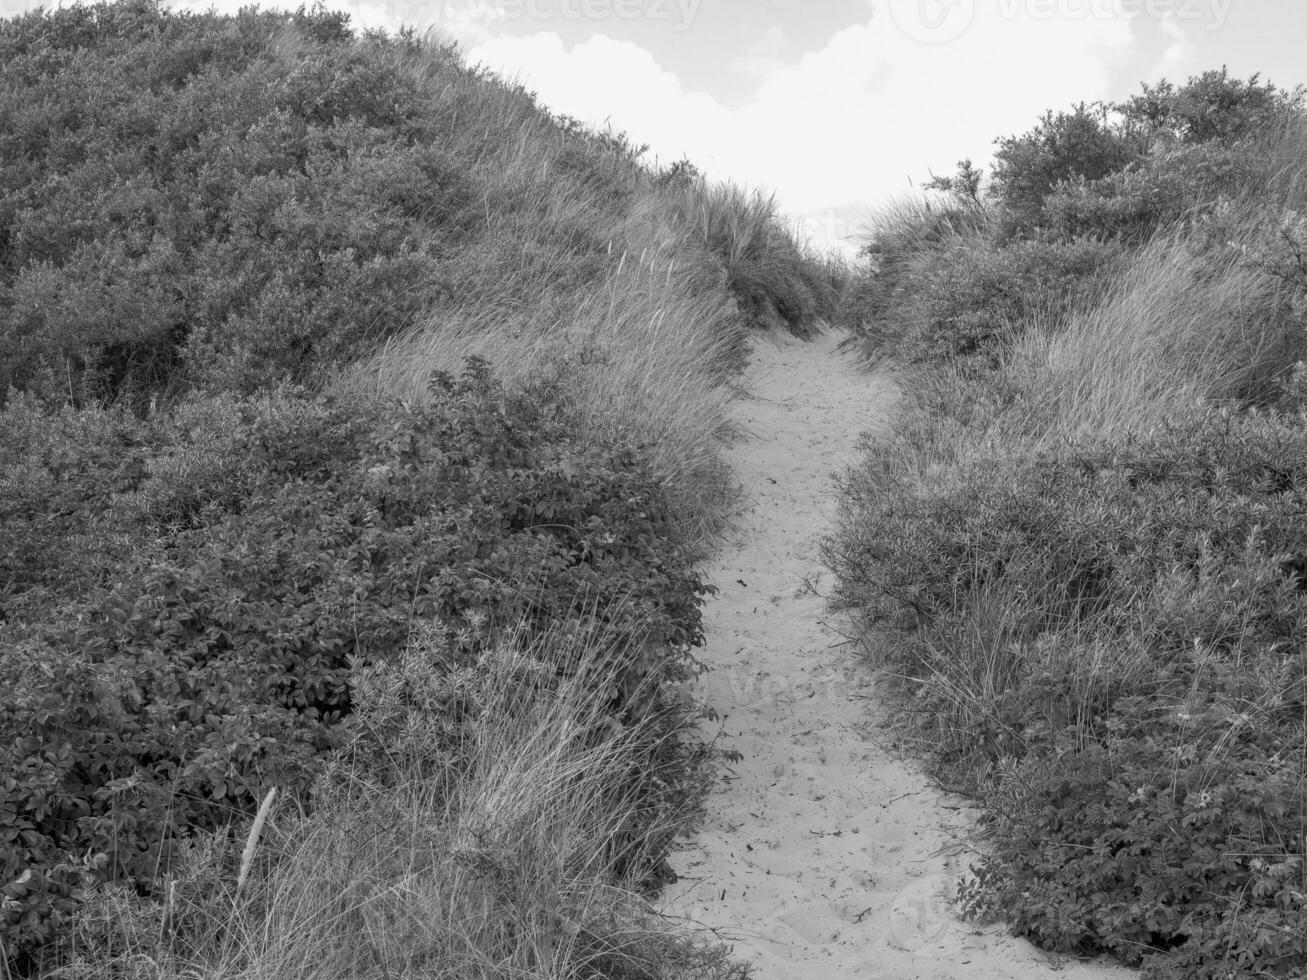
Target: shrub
(1104,640)
(264,198)
(61,470)
(233,212)
(1082,555)
(197,548)
(483,815)
(773,278)
(968,302)
(217,663)
(1187,182)
(1211,107)
(1063,146)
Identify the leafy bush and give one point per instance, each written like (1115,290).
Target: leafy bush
(968,301)
(1063,146)
(216,660)
(260,197)
(1210,108)
(199,213)
(1131,205)
(61,471)
(483,815)
(1105,641)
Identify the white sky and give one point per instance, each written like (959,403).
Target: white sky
(838,105)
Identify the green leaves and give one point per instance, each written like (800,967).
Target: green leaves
(214,658)
(1108,638)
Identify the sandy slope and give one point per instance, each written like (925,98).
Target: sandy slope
(823,855)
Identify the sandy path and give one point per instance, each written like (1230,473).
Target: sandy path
(822,856)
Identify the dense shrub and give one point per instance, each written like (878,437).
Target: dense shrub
(1210,108)
(216,659)
(1107,642)
(254,198)
(1105,174)
(231,202)
(206,222)
(1127,169)
(967,301)
(60,470)
(1064,146)
(227,213)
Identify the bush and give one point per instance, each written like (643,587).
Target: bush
(1064,146)
(773,278)
(216,662)
(968,301)
(200,557)
(481,817)
(263,198)
(1082,555)
(1104,640)
(1210,108)
(61,470)
(233,212)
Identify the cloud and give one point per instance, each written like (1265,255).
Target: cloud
(862,118)
(763,57)
(603,80)
(1181,55)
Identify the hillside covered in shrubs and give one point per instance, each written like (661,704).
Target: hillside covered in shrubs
(359,434)
(1083,554)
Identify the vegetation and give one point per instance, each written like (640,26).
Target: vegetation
(359,432)
(1082,552)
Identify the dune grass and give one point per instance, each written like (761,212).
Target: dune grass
(479,844)
(645,353)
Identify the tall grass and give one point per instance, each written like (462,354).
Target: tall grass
(1179,329)
(634,293)
(778,281)
(644,353)
(508,843)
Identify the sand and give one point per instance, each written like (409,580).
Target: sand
(824,854)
